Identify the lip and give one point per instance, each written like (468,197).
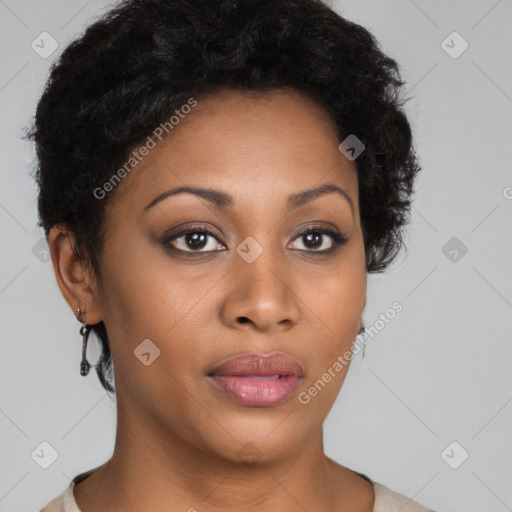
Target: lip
(258,380)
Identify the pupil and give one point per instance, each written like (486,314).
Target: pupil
(193,239)
(316,236)
(196,240)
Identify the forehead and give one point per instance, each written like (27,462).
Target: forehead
(243,142)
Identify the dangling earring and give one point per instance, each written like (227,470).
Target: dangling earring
(361,331)
(84,331)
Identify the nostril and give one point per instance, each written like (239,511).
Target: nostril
(243,320)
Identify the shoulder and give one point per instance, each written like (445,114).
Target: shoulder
(65,502)
(387,500)
(62,502)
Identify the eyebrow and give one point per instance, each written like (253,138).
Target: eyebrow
(224,200)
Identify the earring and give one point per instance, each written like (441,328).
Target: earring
(361,331)
(84,331)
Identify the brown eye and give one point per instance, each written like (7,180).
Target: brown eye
(194,240)
(319,240)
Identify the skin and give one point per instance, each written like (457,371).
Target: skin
(178,437)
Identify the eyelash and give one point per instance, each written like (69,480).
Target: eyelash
(338,239)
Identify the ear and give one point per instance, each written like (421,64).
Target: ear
(75,276)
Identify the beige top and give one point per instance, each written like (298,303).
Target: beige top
(385,499)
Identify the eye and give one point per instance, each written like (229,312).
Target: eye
(199,239)
(194,239)
(316,239)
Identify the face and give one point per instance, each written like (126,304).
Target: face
(243,280)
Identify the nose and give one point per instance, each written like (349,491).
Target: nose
(262,295)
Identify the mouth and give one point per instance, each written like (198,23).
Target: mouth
(257,380)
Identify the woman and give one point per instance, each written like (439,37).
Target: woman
(216,181)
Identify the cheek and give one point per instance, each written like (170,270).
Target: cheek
(148,292)
(347,298)
(149,296)
(339,298)
(337,307)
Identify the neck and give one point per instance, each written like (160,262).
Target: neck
(153,468)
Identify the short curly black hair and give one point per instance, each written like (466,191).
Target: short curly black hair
(135,65)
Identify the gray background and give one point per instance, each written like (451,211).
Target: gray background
(439,372)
